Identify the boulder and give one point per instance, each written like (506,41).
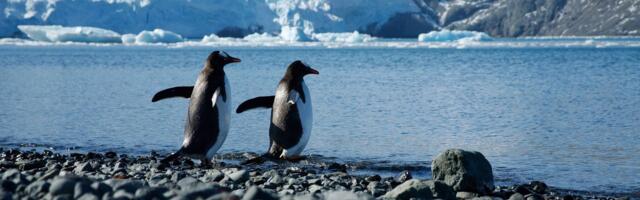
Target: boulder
(441,190)
(463,170)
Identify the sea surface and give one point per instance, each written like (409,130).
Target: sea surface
(569,116)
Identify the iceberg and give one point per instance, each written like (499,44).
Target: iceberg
(56,33)
(453,36)
(155,36)
(293,34)
(262,37)
(343,37)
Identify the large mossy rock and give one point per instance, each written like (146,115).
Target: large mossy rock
(464,170)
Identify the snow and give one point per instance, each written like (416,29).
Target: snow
(69,34)
(452,36)
(353,37)
(293,33)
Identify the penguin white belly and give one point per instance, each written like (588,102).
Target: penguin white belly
(306,118)
(224,117)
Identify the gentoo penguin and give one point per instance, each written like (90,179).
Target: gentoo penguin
(291,113)
(208,116)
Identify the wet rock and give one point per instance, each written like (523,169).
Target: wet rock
(346,195)
(538,187)
(466,195)
(14,176)
(38,187)
(150,193)
(7,164)
(213,175)
(239,176)
(441,190)
(315,189)
(8,186)
(516,196)
(533,197)
(464,171)
(110,154)
(100,188)
(188,182)
(376,188)
(404,176)
(122,194)
(83,167)
(31,164)
(82,188)
(88,196)
(63,186)
(203,191)
(177,176)
(373,178)
(254,192)
(129,186)
(487,198)
(410,189)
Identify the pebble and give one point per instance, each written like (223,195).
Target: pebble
(90,176)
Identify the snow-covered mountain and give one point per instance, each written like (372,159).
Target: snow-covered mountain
(300,18)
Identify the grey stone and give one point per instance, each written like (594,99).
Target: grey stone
(122,194)
(254,192)
(62,186)
(83,167)
(202,191)
(82,188)
(130,186)
(88,196)
(15,176)
(464,170)
(533,197)
(441,190)
(346,195)
(239,176)
(466,195)
(410,189)
(516,196)
(100,188)
(150,193)
(188,182)
(38,187)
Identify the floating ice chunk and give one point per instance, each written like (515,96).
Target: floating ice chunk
(262,37)
(56,33)
(215,38)
(156,36)
(450,36)
(293,34)
(129,38)
(343,37)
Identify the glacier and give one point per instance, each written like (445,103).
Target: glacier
(70,34)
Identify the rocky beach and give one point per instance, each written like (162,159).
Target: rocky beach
(457,174)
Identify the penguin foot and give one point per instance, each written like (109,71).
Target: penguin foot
(257,160)
(206,163)
(169,159)
(296,158)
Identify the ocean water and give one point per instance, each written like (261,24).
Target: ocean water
(567,116)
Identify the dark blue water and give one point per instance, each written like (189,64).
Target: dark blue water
(568,116)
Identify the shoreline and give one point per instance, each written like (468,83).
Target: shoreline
(110,175)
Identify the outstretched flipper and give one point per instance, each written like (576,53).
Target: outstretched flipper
(182,91)
(265,102)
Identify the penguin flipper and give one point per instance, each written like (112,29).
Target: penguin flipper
(181,91)
(265,102)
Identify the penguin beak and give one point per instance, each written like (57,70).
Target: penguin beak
(313,71)
(233,60)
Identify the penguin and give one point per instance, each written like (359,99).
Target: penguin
(209,110)
(291,113)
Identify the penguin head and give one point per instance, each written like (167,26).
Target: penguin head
(219,59)
(299,69)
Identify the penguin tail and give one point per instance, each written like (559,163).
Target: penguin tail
(172,157)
